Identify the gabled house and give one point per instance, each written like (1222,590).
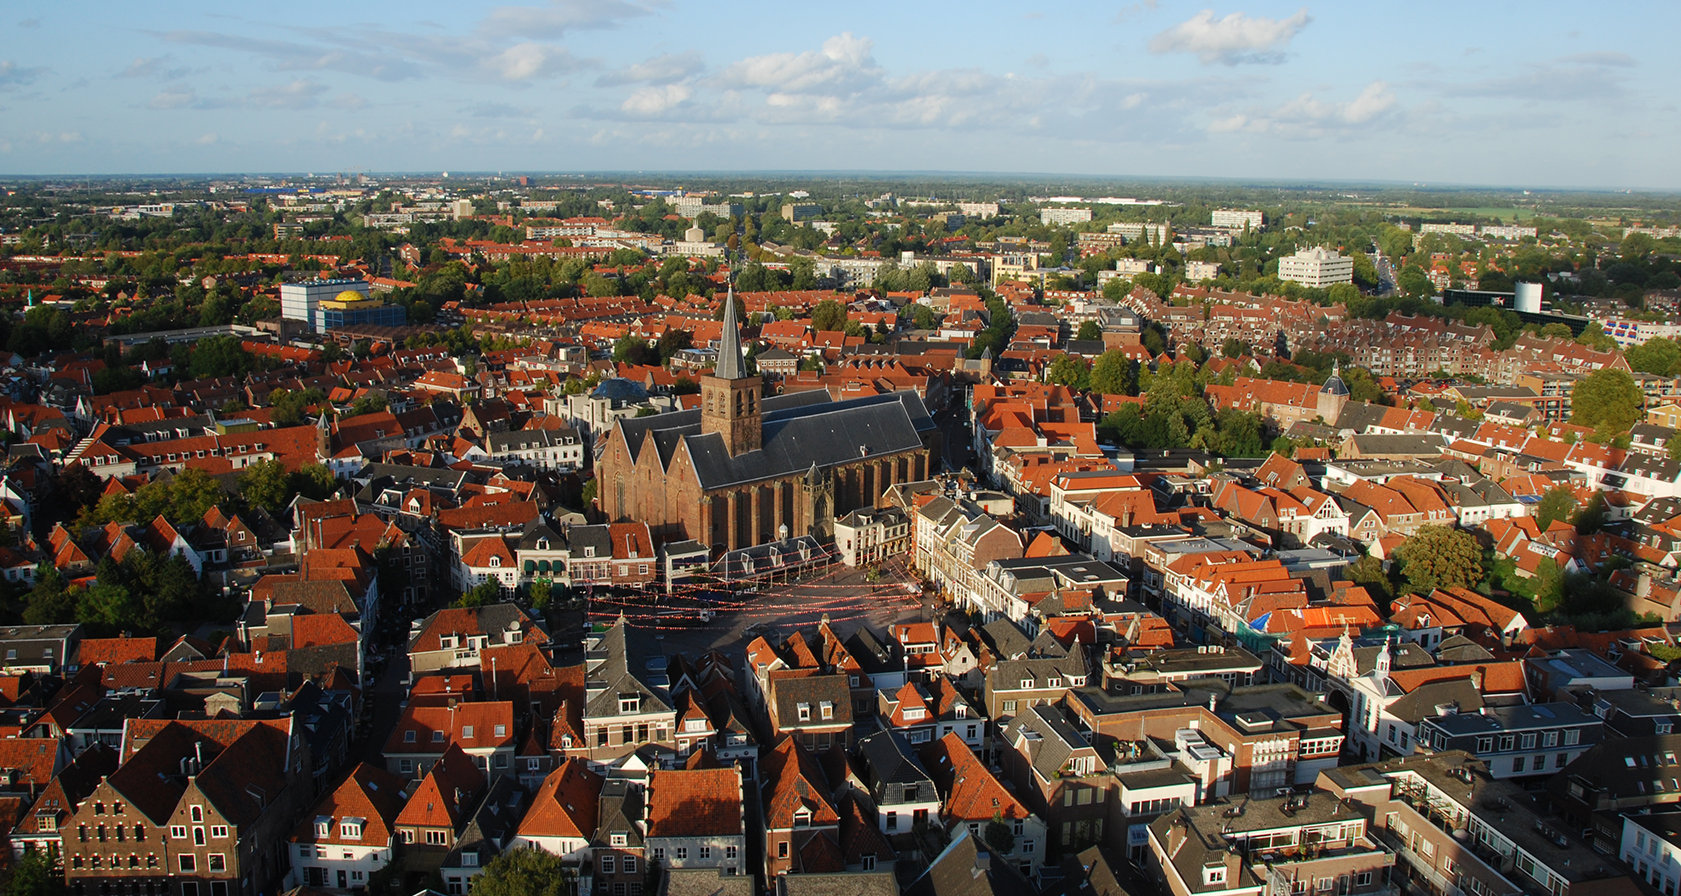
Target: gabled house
(696,819)
(350,834)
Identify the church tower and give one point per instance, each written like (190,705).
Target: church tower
(729,398)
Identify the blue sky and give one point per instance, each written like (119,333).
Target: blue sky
(1523,94)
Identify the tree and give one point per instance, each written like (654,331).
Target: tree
(541,593)
(487,592)
(371,403)
(108,609)
(219,356)
(924,318)
(999,836)
(1090,330)
(1067,370)
(1557,504)
(1114,374)
(1414,282)
(828,315)
(1233,347)
(1607,400)
(1440,557)
(79,487)
(524,872)
(37,874)
(266,484)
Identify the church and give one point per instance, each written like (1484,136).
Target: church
(745,469)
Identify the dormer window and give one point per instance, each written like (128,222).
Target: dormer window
(351,829)
(826,709)
(805,712)
(802,818)
(323,827)
(495,561)
(630,703)
(618,839)
(589,552)
(1213,875)
(542,544)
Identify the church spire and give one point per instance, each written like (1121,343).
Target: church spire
(731,364)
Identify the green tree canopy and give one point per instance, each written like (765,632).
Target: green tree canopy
(1607,400)
(1440,557)
(1557,504)
(1114,374)
(828,315)
(1090,330)
(524,872)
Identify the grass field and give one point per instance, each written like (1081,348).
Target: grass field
(1504,215)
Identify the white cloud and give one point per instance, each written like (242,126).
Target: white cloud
(666,68)
(559,17)
(1231,40)
(14,75)
(300,94)
(657,100)
(207,140)
(524,61)
(174,98)
(844,65)
(499,110)
(1308,116)
(154,67)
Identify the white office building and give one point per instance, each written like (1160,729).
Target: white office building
(1318,267)
(298,301)
(1056,217)
(1237,218)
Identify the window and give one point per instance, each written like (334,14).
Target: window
(1528,741)
(682,853)
(782,850)
(630,864)
(629,703)
(198,814)
(659,853)
(437,737)
(729,852)
(1507,741)
(409,736)
(1485,744)
(1572,737)
(218,861)
(1549,739)
(407,765)
(501,730)
(828,709)
(617,839)
(189,863)
(1008,707)
(1363,879)
(608,864)
(893,821)
(804,712)
(1517,764)
(869,863)
(218,831)
(706,852)
(437,838)
(351,830)
(1213,874)
(176,832)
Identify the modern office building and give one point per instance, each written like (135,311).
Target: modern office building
(1237,218)
(1318,267)
(353,309)
(300,301)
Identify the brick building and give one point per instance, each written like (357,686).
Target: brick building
(743,470)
